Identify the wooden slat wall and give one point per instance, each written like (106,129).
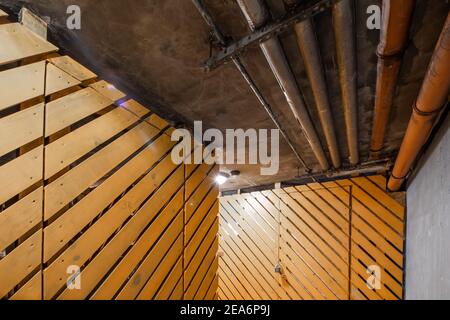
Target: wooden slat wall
(87,180)
(323,235)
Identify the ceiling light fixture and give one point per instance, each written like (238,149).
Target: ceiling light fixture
(222,177)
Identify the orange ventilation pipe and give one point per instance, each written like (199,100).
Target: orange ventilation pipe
(433,95)
(394,35)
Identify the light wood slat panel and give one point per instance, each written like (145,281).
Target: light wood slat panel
(232,281)
(298,252)
(161,271)
(378,254)
(257,222)
(21,128)
(137,224)
(211,294)
(108,90)
(257,208)
(378,194)
(21,84)
(380,181)
(341,206)
(177,293)
(372,219)
(154,257)
(249,270)
(314,230)
(264,266)
(225,292)
(3,13)
(85,246)
(211,221)
(67,187)
(128,235)
(207,280)
(65,111)
(73,146)
(21,217)
(247,228)
(58,80)
(264,219)
(201,172)
(195,263)
(200,213)
(20,263)
(20,173)
(248,289)
(62,230)
(197,197)
(170,283)
(308,278)
(382,213)
(360,286)
(312,237)
(325,216)
(72,67)
(362,256)
(328,211)
(31,290)
(332,196)
(244,234)
(361,269)
(159,123)
(18,42)
(311,253)
(200,273)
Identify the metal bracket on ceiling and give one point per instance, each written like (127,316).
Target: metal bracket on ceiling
(304,11)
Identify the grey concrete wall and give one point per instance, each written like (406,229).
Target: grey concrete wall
(428,223)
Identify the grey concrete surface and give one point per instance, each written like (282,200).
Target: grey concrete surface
(428,223)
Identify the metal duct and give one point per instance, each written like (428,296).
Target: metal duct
(254,10)
(344,33)
(309,49)
(433,95)
(394,35)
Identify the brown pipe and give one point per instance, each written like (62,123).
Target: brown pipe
(256,14)
(344,33)
(394,35)
(309,49)
(432,96)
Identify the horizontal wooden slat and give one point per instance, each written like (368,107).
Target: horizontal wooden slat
(116,278)
(67,187)
(21,84)
(72,67)
(20,218)
(58,80)
(18,42)
(108,90)
(20,173)
(21,128)
(172,238)
(157,278)
(111,253)
(32,290)
(20,263)
(73,146)
(171,281)
(77,217)
(74,107)
(85,246)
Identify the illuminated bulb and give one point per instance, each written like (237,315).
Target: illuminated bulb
(222,177)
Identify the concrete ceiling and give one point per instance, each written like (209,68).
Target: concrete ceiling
(153,50)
